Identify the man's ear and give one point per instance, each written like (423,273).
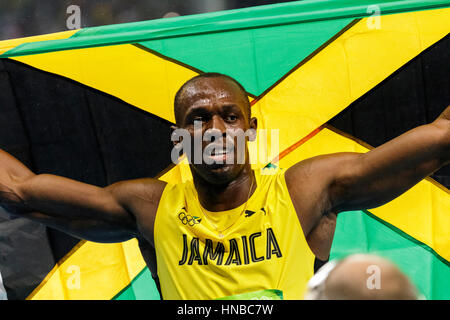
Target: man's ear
(253,127)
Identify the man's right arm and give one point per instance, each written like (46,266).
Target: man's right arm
(82,210)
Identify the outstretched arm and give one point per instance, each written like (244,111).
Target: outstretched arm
(370,180)
(83,210)
(352,181)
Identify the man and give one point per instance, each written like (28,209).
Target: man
(361,277)
(231,232)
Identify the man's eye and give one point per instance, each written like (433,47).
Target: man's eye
(231,118)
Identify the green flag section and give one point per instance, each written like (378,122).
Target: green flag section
(363,232)
(103,96)
(142,287)
(249,55)
(256,17)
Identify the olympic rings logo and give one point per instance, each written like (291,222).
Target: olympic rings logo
(187,219)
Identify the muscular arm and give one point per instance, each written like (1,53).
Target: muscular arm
(85,211)
(372,179)
(352,181)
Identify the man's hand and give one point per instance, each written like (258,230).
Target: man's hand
(110,214)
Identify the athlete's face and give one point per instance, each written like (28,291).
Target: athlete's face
(216,107)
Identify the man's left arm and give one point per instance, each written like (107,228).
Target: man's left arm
(374,178)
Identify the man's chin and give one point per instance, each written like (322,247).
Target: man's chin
(217,173)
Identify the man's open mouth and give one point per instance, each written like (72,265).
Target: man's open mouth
(217,154)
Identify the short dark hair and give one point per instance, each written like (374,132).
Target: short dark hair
(201,76)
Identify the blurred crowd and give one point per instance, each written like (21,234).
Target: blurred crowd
(22,18)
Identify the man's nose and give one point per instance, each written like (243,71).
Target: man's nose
(217,123)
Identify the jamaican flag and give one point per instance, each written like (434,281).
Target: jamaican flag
(96,105)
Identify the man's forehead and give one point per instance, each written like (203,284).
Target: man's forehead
(216,87)
(208,90)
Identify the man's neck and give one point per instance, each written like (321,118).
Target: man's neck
(228,196)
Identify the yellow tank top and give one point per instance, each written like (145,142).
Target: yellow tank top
(262,253)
